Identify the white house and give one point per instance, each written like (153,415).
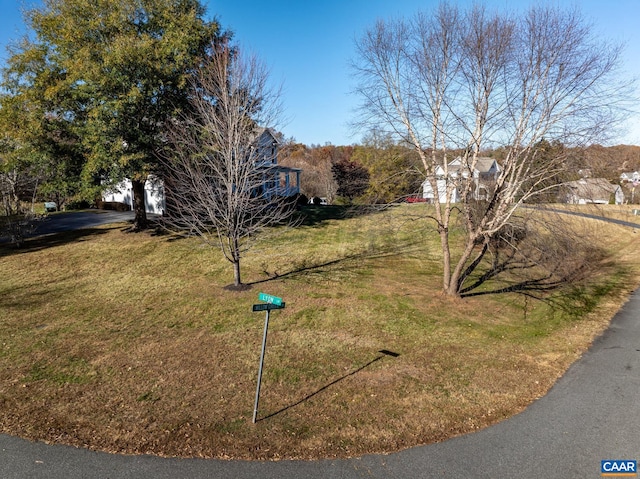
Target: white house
(630,176)
(153,194)
(277,181)
(485,172)
(592,191)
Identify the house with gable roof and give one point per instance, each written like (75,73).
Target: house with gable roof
(483,175)
(277,181)
(591,191)
(630,177)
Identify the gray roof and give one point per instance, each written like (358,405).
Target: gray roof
(594,189)
(483,164)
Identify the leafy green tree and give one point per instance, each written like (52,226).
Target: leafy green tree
(113,73)
(352,178)
(393,169)
(38,138)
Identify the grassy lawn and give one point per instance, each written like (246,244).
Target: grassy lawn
(630,213)
(130,343)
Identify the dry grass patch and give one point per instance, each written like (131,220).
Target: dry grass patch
(630,213)
(129,343)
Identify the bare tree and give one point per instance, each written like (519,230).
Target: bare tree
(17,197)
(221,183)
(19,181)
(474,80)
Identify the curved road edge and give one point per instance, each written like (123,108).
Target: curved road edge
(591,414)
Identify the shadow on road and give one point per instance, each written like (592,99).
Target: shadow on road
(49,241)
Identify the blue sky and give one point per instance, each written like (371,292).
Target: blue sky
(307,44)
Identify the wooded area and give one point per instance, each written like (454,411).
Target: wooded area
(394,175)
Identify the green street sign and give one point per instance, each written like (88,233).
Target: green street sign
(267,298)
(267,306)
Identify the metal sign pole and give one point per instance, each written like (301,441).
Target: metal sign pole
(264,345)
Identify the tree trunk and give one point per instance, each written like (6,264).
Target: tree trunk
(140,220)
(455,283)
(236,262)
(236,273)
(446,259)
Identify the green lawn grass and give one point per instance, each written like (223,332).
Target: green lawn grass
(131,343)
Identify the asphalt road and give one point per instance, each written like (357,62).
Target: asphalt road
(80,220)
(76,220)
(591,414)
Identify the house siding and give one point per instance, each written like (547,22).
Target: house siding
(153,195)
(278,181)
(486,171)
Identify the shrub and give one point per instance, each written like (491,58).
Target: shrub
(77,205)
(113,205)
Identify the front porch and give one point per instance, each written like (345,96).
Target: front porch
(280,181)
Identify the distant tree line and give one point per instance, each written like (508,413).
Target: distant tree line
(391,172)
(374,171)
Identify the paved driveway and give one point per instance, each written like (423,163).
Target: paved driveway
(77,220)
(80,220)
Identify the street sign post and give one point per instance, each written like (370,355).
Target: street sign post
(270,302)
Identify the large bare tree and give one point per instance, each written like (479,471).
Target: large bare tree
(219,179)
(467,81)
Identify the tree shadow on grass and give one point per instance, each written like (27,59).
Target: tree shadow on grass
(302,270)
(30,296)
(348,261)
(314,215)
(40,243)
(383,353)
(354,261)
